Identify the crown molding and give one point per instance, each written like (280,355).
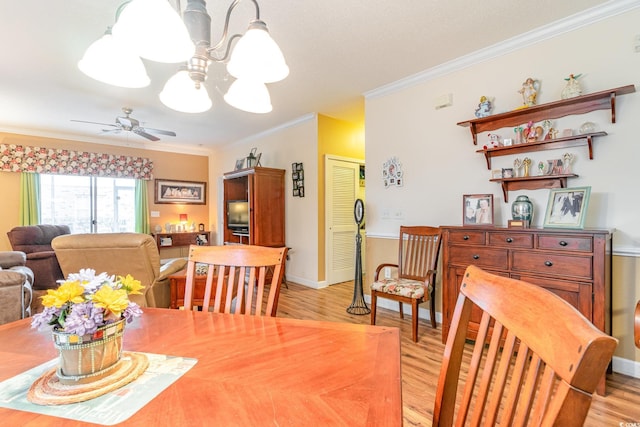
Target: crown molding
(554,29)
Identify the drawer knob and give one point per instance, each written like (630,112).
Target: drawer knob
(465,237)
(548,263)
(563,243)
(476,256)
(509,240)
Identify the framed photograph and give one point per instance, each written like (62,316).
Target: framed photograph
(183,192)
(567,207)
(477,209)
(507,172)
(239,164)
(496,174)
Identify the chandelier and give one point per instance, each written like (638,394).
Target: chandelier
(154,30)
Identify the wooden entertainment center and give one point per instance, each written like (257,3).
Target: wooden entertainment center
(263,189)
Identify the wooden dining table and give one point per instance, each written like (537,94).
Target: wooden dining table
(249,371)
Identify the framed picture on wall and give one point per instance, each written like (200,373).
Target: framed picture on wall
(477,209)
(183,192)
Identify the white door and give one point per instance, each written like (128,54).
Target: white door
(341,186)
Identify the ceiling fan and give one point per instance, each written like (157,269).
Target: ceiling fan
(129,124)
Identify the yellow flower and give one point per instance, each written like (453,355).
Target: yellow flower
(112,300)
(66,292)
(131,285)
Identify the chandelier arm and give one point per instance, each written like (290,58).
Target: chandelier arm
(121,8)
(226,26)
(214,58)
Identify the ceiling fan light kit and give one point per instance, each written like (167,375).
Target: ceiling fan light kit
(152,28)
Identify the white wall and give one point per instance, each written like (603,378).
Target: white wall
(292,142)
(439,160)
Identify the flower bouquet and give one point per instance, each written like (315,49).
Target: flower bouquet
(88,313)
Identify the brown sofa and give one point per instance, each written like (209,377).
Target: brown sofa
(35,241)
(120,254)
(15,286)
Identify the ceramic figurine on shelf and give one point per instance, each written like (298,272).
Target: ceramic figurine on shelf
(542,169)
(529,92)
(572,89)
(484,107)
(567,159)
(527,164)
(517,165)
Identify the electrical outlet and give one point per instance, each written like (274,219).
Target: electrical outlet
(387,273)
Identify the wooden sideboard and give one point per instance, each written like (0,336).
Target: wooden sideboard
(574,264)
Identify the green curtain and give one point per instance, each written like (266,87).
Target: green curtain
(29,198)
(142,207)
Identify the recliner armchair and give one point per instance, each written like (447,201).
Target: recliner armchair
(35,241)
(120,254)
(16,280)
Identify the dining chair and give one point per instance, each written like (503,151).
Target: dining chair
(536,360)
(242,274)
(415,278)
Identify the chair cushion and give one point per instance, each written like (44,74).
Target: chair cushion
(404,287)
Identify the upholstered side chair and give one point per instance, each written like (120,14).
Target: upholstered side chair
(415,278)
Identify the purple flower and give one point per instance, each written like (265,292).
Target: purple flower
(84,319)
(45,317)
(133,310)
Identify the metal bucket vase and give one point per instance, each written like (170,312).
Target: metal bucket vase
(88,358)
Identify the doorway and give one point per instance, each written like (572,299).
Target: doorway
(342,187)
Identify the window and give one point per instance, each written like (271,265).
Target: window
(88,204)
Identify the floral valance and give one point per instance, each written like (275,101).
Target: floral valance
(22,158)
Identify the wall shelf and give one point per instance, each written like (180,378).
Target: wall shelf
(550,144)
(604,100)
(532,183)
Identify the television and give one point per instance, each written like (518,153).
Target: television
(238,215)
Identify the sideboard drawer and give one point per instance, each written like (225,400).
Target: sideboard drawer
(566,243)
(480,256)
(511,240)
(470,237)
(552,264)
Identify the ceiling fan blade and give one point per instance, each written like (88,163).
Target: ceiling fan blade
(141,132)
(116,130)
(96,123)
(160,131)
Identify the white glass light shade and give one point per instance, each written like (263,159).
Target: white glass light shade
(249,95)
(155,31)
(180,94)
(256,56)
(111,62)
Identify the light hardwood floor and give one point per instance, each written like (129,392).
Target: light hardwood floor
(421,361)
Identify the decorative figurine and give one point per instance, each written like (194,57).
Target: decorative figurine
(494,142)
(572,89)
(529,92)
(542,169)
(567,159)
(526,163)
(532,133)
(517,165)
(484,107)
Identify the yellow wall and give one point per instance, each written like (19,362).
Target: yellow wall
(166,166)
(339,138)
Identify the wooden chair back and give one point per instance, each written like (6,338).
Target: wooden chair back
(237,277)
(418,252)
(536,360)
